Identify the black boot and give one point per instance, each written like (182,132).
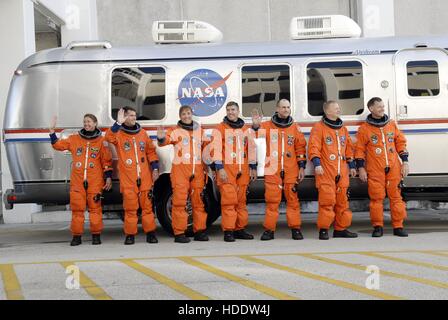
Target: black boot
(267,235)
(130,239)
(296,234)
(181,238)
(399,232)
(96,239)
(377,232)
(242,234)
(76,241)
(151,237)
(229,236)
(344,234)
(200,236)
(323,234)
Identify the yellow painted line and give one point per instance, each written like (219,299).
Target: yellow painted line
(438,254)
(406,261)
(380,251)
(224,256)
(186,291)
(247,283)
(11,284)
(88,284)
(339,283)
(428,282)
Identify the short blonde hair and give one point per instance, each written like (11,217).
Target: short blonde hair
(328,103)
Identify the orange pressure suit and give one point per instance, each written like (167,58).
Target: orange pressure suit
(91,163)
(136,157)
(379,146)
(236,158)
(330,146)
(187,176)
(285,153)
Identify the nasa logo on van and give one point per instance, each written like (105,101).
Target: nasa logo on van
(204,90)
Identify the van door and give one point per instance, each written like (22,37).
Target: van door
(421,80)
(421,84)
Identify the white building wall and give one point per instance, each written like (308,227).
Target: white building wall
(376,17)
(78,22)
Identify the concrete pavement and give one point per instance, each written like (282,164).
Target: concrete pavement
(34,260)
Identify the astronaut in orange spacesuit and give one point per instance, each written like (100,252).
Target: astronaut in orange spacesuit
(284,168)
(91,174)
(382,161)
(330,149)
(138,169)
(188,177)
(235,165)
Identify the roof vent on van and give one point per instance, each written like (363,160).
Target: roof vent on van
(74,45)
(184,32)
(320,27)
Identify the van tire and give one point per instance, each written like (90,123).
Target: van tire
(163,210)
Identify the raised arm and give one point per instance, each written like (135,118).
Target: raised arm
(163,138)
(57,144)
(111,134)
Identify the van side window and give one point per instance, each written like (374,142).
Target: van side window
(423,78)
(263,86)
(341,81)
(142,88)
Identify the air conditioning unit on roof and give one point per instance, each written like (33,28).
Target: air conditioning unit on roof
(320,27)
(184,32)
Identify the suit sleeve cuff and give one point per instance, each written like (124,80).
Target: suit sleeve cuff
(253,166)
(316,161)
(302,164)
(108,174)
(53,138)
(404,157)
(155,165)
(219,165)
(360,163)
(352,164)
(116,127)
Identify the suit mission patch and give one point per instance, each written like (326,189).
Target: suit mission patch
(290,140)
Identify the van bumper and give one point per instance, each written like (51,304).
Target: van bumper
(56,193)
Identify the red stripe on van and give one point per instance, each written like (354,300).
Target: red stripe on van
(425,121)
(31,131)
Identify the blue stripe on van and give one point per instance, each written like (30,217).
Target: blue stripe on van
(28,140)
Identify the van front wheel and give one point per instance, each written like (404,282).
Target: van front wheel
(164,210)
